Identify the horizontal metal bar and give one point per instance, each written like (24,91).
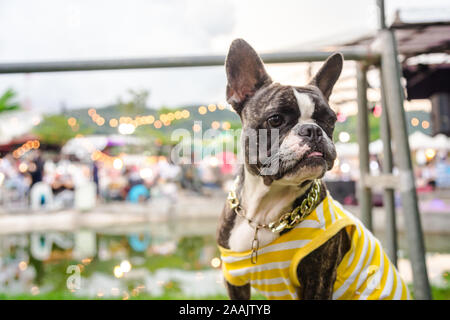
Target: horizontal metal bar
(175,62)
(384,181)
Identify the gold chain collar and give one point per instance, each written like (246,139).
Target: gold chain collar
(287,221)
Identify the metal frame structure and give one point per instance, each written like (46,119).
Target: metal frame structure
(393,127)
(174,62)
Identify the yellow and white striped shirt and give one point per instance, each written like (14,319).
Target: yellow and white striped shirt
(365,271)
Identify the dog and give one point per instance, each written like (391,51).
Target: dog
(280,231)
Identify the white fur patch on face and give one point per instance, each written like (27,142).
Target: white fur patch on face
(293,147)
(306,106)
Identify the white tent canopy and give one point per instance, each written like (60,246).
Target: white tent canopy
(417,140)
(84,146)
(347,149)
(14,124)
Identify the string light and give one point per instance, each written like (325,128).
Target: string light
(126,128)
(91,112)
(215,262)
(122,269)
(344,137)
(150,119)
(157,124)
(113,123)
(430,153)
(100,121)
(215,125)
(185,114)
(125,266)
(23,265)
(196,127)
(165,119)
(72,121)
(27,146)
(226,125)
(118,273)
(117,163)
(23,167)
(202,110)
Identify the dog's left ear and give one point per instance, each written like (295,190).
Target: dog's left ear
(328,74)
(245,73)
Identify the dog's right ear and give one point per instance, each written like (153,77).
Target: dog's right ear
(245,73)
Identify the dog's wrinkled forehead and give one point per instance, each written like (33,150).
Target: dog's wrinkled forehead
(250,87)
(297,104)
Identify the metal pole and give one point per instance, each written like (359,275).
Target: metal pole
(381,15)
(365,193)
(177,62)
(388,194)
(394,94)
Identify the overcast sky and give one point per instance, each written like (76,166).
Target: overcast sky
(47,30)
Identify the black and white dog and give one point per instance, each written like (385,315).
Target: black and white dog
(305,124)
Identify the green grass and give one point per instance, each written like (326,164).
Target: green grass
(442,293)
(69,296)
(438,294)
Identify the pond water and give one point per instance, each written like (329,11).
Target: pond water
(173,259)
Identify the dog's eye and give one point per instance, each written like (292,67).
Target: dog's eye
(275,121)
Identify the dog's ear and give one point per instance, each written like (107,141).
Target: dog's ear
(245,73)
(328,74)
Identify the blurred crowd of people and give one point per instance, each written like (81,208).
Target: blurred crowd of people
(138,178)
(124,181)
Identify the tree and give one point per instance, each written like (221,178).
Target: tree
(55,130)
(350,125)
(6,101)
(137,103)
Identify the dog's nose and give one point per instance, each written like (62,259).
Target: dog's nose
(311,132)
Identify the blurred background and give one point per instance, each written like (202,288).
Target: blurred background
(92,204)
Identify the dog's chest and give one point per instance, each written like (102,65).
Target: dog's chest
(242,235)
(263,204)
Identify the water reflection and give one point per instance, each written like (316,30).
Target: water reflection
(173,259)
(157,260)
